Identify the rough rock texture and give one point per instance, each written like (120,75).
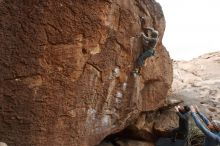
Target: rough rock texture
(65,69)
(198,82)
(143,127)
(152,124)
(167,121)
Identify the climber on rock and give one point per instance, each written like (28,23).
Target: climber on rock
(183,129)
(149,43)
(149,40)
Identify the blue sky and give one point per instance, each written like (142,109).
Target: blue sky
(192,27)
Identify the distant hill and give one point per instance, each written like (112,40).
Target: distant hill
(198,82)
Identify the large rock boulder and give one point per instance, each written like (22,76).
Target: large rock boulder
(65,69)
(198,82)
(153,124)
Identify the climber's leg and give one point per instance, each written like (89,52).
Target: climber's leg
(144,56)
(140,60)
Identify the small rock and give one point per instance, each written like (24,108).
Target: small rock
(119,94)
(212,109)
(202,102)
(124,86)
(116,72)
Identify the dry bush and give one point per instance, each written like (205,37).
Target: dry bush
(195,137)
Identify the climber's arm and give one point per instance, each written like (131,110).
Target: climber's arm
(206,131)
(145,38)
(204,118)
(182,116)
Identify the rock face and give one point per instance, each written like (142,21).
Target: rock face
(198,82)
(65,69)
(167,121)
(153,124)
